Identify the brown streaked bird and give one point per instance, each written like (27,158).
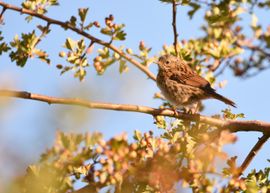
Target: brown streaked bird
(181,86)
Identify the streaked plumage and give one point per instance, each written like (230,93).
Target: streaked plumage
(181,86)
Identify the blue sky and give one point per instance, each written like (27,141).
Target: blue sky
(27,128)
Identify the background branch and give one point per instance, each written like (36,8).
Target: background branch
(232,125)
(2,14)
(174,11)
(253,152)
(66,25)
(86,189)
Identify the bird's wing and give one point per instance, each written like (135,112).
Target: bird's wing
(193,80)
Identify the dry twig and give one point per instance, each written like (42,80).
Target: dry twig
(253,152)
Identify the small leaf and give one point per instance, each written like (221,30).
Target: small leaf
(137,135)
(195,8)
(123,67)
(83,13)
(160,122)
(121,35)
(106,31)
(70,44)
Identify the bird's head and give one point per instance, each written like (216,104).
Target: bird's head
(167,62)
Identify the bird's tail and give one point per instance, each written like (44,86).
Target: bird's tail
(223,99)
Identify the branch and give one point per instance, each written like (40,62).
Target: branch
(174,11)
(66,25)
(248,45)
(2,15)
(232,125)
(215,65)
(86,189)
(253,152)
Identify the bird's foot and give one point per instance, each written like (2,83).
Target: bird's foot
(191,109)
(174,109)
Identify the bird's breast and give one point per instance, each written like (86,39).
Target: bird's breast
(178,94)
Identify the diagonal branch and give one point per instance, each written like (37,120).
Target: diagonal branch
(174,12)
(66,25)
(232,125)
(2,15)
(253,152)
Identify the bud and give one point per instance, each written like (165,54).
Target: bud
(59,66)
(216,10)
(98,59)
(184,42)
(99,149)
(111,17)
(96,24)
(116,56)
(238,60)
(129,51)
(142,45)
(133,154)
(102,143)
(208,14)
(134,146)
(62,54)
(238,28)
(165,47)
(102,161)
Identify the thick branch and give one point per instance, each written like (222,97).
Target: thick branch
(253,152)
(66,25)
(174,11)
(232,125)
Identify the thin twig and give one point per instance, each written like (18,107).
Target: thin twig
(215,65)
(227,63)
(67,25)
(232,125)
(88,47)
(253,152)
(174,12)
(2,15)
(43,34)
(252,47)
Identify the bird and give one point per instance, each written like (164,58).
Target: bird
(182,86)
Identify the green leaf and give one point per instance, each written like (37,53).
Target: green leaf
(123,67)
(42,55)
(160,122)
(26,48)
(137,135)
(121,35)
(3,45)
(227,113)
(83,13)
(195,8)
(70,44)
(87,27)
(43,29)
(106,31)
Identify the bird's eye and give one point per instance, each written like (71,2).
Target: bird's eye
(167,62)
